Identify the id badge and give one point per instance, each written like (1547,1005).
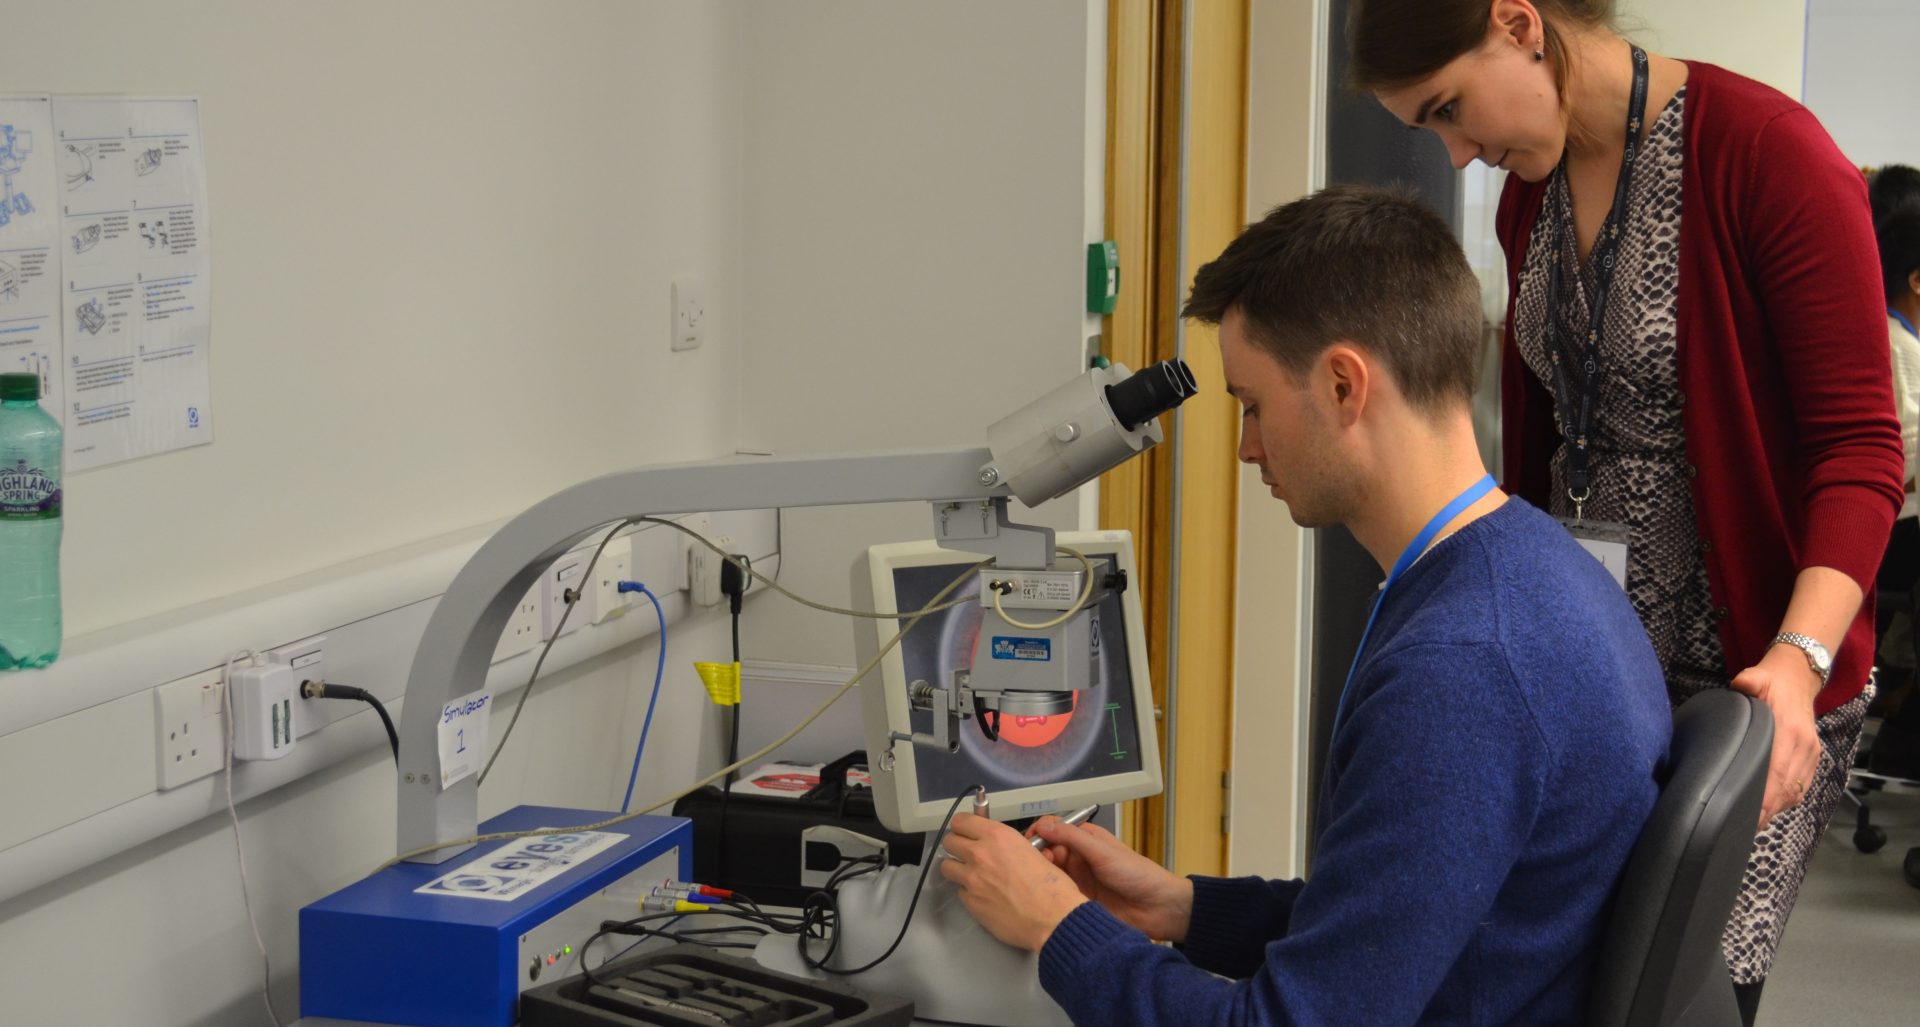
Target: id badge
(1607,542)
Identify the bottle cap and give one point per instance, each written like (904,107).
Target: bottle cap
(20,386)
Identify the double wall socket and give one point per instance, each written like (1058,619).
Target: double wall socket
(523,629)
(192,729)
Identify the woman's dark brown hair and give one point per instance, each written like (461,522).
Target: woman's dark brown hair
(1396,43)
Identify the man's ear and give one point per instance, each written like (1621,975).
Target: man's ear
(1913,281)
(1350,377)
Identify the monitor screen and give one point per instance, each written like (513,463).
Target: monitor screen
(1094,753)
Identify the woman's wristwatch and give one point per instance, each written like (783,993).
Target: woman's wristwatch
(1817,656)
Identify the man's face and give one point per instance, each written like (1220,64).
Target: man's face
(1282,430)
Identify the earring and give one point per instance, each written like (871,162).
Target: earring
(1539,55)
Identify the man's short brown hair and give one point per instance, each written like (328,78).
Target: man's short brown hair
(1357,264)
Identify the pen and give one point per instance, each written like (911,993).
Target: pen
(1078,816)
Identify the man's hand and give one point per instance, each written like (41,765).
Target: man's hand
(1132,887)
(1015,893)
(1783,680)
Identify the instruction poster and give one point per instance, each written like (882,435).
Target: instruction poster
(29,231)
(105,269)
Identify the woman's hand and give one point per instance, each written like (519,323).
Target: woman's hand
(1783,680)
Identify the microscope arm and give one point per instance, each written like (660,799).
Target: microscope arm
(457,647)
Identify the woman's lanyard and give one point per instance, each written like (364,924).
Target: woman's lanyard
(1904,323)
(1576,404)
(1407,559)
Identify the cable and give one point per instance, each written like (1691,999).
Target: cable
(266,961)
(912,904)
(734,584)
(572,598)
(659,673)
(325,690)
(865,669)
(774,584)
(622,927)
(1086,593)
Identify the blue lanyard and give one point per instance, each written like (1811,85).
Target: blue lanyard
(1407,558)
(1902,318)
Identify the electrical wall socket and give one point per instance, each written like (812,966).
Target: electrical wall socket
(568,572)
(659,560)
(603,600)
(192,729)
(523,629)
(703,571)
(689,313)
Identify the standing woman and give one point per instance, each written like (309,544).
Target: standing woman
(1696,363)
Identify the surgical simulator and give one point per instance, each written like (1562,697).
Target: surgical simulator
(1002,671)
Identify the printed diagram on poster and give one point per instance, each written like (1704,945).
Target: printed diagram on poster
(134,276)
(30,321)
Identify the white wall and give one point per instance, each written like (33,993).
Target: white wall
(443,233)
(496,196)
(921,184)
(1762,39)
(1862,77)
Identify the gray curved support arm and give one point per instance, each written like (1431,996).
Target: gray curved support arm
(458,645)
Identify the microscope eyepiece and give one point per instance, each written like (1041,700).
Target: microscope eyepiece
(1150,393)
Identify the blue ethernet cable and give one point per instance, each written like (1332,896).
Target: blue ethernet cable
(659,672)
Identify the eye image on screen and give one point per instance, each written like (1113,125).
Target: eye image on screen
(1097,738)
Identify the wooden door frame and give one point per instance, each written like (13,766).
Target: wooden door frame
(1176,185)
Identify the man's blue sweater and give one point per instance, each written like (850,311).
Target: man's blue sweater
(1487,779)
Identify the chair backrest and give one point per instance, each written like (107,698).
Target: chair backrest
(1660,963)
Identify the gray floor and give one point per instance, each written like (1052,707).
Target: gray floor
(1851,954)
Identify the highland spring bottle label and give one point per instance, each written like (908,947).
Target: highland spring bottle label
(28,493)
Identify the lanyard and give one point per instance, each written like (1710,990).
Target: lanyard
(1407,559)
(1576,404)
(1904,323)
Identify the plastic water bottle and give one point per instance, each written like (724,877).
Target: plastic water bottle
(30,450)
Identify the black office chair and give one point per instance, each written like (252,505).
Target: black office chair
(1660,964)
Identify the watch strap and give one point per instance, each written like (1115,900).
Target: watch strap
(1812,649)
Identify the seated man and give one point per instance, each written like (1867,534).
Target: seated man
(1493,757)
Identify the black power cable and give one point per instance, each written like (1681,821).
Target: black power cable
(323,690)
(733,584)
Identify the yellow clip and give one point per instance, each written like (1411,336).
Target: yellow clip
(683,906)
(722,681)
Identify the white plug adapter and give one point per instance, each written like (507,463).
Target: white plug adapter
(264,696)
